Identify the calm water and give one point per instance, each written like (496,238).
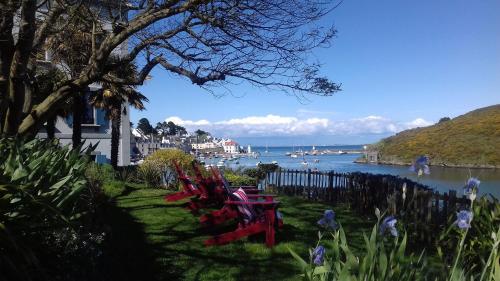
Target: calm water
(442,179)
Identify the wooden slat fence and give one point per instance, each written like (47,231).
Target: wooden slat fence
(423,210)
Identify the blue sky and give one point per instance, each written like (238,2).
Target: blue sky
(401,64)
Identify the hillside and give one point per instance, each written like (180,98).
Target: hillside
(469,140)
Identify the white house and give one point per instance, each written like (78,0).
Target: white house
(205,145)
(96,128)
(231,146)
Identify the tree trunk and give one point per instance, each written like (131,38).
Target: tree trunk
(37,117)
(17,81)
(115,135)
(51,127)
(78,106)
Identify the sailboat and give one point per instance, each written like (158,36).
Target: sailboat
(314,151)
(267,149)
(304,162)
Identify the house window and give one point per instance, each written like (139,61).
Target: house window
(88,111)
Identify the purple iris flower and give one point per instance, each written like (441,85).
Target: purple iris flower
(471,186)
(328,220)
(421,166)
(389,223)
(464,218)
(318,255)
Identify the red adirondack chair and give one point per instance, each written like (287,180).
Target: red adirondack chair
(189,189)
(264,218)
(228,212)
(215,188)
(213,195)
(222,182)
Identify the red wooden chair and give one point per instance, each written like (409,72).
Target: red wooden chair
(254,217)
(215,189)
(208,191)
(212,195)
(189,189)
(222,182)
(228,212)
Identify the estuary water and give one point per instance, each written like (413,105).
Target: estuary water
(441,179)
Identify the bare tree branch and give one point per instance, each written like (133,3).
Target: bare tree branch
(212,43)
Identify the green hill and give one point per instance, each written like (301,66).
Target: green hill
(471,140)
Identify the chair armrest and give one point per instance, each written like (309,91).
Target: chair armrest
(260,195)
(261,203)
(243,186)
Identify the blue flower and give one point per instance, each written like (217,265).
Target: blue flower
(318,255)
(420,166)
(464,218)
(389,223)
(328,220)
(471,186)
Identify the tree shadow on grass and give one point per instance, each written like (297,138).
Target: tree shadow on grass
(127,255)
(151,241)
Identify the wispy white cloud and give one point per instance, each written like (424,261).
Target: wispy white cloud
(304,112)
(275,125)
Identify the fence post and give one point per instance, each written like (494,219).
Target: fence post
(308,183)
(278,180)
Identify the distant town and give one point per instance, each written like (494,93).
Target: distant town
(146,139)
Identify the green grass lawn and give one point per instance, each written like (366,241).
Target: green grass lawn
(153,240)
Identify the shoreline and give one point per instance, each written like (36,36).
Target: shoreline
(443,165)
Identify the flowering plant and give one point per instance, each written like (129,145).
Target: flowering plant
(421,166)
(384,257)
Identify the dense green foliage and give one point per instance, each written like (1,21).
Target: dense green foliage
(158,168)
(170,129)
(145,126)
(150,172)
(261,171)
(472,139)
(386,258)
(238,179)
(42,189)
(477,245)
(383,258)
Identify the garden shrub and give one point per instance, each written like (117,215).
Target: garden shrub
(109,174)
(114,188)
(261,171)
(238,179)
(150,173)
(127,173)
(42,190)
(159,167)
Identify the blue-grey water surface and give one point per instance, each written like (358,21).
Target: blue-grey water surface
(441,179)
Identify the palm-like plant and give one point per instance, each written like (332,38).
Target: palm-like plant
(112,97)
(71,50)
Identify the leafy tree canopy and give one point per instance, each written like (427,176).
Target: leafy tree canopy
(145,126)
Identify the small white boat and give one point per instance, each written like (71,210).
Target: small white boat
(294,155)
(274,162)
(304,163)
(288,154)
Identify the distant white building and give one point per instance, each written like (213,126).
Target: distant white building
(231,146)
(205,145)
